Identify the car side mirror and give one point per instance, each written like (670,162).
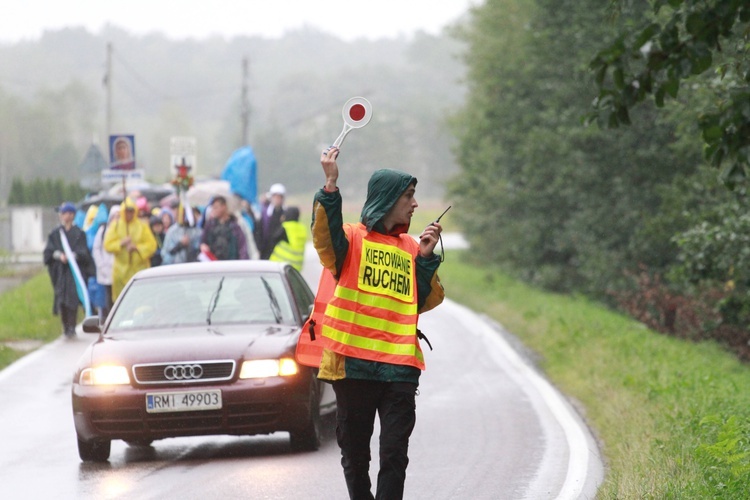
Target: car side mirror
(91,325)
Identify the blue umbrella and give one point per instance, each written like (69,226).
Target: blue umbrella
(241,170)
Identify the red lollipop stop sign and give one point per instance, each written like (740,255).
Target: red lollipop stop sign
(357,113)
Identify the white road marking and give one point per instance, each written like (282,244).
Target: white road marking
(536,387)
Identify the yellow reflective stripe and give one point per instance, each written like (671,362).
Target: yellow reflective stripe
(284,253)
(370,344)
(366,321)
(287,249)
(376,301)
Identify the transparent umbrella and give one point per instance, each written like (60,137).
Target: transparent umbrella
(200,194)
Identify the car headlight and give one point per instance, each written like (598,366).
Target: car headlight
(264,368)
(104,375)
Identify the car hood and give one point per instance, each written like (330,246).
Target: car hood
(195,343)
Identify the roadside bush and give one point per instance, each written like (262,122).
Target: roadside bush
(698,314)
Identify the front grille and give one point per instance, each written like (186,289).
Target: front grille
(210,371)
(238,419)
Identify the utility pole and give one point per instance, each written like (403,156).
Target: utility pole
(108,87)
(245,105)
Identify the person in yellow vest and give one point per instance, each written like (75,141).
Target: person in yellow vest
(384,280)
(132,243)
(291,240)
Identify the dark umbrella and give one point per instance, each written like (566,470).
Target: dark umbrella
(97,199)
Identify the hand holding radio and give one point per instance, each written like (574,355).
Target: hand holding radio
(430,237)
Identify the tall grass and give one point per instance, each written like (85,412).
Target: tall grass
(672,416)
(26,314)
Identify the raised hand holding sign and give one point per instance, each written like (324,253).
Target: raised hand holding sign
(357,113)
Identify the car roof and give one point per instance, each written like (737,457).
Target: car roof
(213,267)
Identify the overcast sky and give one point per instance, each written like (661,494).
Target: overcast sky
(179,19)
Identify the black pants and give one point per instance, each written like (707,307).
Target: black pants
(107,302)
(69,318)
(357,402)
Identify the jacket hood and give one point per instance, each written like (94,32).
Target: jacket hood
(384,188)
(127,203)
(90,216)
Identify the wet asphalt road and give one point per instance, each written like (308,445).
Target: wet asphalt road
(488,427)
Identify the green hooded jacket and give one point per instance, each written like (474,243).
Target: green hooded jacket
(329,238)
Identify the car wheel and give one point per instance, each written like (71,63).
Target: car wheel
(95,450)
(308,437)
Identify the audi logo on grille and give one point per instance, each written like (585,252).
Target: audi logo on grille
(183,372)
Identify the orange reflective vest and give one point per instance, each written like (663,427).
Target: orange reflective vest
(372,314)
(309,346)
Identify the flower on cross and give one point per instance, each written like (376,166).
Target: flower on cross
(183,180)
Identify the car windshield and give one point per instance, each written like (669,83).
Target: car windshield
(200,299)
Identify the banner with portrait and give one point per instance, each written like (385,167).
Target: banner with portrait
(122,152)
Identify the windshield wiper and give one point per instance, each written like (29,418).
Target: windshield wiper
(214,300)
(274,301)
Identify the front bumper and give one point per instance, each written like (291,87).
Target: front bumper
(248,407)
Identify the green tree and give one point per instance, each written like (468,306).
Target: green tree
(665,51)
(559,203)
(48,192)
(690,58)
(17,192)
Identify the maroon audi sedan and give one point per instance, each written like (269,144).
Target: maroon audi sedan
(200,349)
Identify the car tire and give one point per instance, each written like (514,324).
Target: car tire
(95,450)
(308,437)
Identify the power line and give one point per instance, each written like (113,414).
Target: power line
(139,78)
(162,95)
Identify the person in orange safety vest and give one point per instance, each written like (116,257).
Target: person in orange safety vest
(384,279)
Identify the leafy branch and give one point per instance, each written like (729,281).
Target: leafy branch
(679,40)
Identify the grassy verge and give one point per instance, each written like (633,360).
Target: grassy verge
(672,416)
(26,314)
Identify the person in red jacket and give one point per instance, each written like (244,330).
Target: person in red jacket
(384,280)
